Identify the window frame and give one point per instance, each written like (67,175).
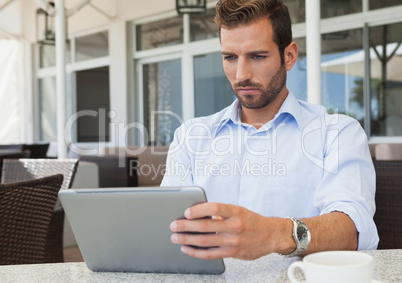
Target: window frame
(186,51)
(71,69)
(362,20)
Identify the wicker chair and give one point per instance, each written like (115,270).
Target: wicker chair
(27,169)
(38,150)
(25,214)
(388,216)
(13,155)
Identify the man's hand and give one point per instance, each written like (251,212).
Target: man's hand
(233,231)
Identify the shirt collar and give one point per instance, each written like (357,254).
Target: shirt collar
(230,115)
(290,107)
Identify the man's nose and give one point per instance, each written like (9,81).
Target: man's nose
(244,70)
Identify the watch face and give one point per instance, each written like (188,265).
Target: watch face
(302,235)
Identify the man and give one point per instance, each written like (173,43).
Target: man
(269,156)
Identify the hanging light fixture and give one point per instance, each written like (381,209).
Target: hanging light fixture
(45,26)
(191,6)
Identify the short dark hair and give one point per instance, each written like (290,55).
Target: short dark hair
(232,13)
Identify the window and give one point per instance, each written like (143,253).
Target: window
(93,102)
(297,10)
(87,89)
(297,76)
(345,81)
(211,88)
(47,109)
(378,4)
(160,33)
(92,46)
(47,55)
(331,8)
(163,72)
(343,72)
(202,26)
(386,80)
(162,100)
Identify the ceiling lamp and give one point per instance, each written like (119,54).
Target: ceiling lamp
(191,6)
(45,26)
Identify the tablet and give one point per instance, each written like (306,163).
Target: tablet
(127,229)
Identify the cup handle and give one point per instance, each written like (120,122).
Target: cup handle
(291,270)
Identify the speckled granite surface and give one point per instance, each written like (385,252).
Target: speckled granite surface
(272,268)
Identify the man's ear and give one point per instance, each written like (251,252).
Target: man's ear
(290,57)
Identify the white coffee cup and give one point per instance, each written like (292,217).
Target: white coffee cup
(334,267)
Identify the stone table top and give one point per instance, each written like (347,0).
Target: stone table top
(271,268)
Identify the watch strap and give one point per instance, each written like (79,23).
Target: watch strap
(301,246)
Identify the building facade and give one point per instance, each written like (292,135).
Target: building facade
(136,70)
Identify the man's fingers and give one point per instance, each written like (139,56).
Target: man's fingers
(198,225)
(211,253)
(209,209)
(199,240)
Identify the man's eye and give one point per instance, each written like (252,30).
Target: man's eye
(258,57)
(229,57)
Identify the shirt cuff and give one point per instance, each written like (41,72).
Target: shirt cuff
(365,226)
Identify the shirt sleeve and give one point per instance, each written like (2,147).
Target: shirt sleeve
(178,163)
(348,183)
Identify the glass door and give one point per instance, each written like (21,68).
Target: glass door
(386,80)
(160,99)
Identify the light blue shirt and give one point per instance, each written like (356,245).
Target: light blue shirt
(302,163)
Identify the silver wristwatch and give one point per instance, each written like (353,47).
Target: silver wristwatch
(301,235)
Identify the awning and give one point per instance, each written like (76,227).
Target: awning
(353,64)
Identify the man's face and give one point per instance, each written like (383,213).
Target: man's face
(252,64)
